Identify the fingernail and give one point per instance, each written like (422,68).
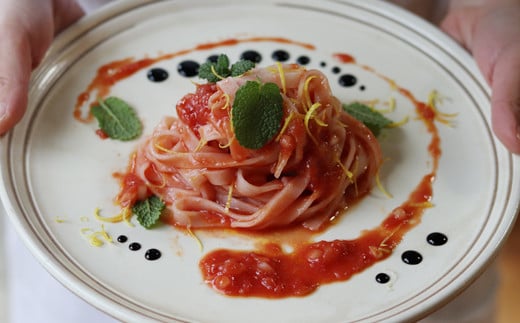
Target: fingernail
(518,132)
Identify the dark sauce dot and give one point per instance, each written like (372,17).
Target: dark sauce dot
(188,68)
(122,238)
(411,257)
(336,70)
(280,55)
(362,88)
(251,55)
(347,80)
(382,278)
(152,254)
(157,74)
(323,64)
(303,60)
(212,58)
(134,246)
(437,239)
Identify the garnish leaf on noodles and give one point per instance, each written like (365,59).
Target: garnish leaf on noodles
(241,67)
(148,211)
(374,120)
(257,113)
(219,70)
(117,119)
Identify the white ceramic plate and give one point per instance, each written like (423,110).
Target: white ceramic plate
(55,167)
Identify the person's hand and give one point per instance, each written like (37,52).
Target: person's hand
(490,30)
(27,28)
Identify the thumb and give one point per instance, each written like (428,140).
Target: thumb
(15,72)
(491,34)
(26,31)
(505,100)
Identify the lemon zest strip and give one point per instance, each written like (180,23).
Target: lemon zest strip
(194,236)
(282,77)
(58,219)
(285,125)
(202,143)
(306,95)
(443,117)
(165,150)
(399,123)
(348,173)
(391,106)
(228,101)
(113,219)
(215,72)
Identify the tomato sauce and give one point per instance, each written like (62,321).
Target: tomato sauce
(192,110)
(269,271)
(344,58)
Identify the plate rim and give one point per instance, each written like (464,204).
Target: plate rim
(119,7)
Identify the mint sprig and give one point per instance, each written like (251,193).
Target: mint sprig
(374,120)
(216,71)
(257,113)
(117,119)
(241,67)
(148,211)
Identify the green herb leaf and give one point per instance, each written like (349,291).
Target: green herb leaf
(257,113)
(374,120)
(206,72)
(241,67)
(117,119)
(222,66)
(216,71)
(148,211)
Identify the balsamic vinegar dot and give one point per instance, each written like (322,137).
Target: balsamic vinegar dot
(152,254)
(251,55)
(280,55)
(134,246)
(188,68)
(411,257)
(336,70)
(212,58)
(347,80)
(157,74)
(362,88)
(303,60)
(437,239)
(122,239)
(382,278)
(323,64)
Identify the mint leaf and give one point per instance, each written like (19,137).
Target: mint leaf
(374,120)
(256,114)
(216,71)
(241,67)
(117,119)
(205,72)
(222,66)
(148,211)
